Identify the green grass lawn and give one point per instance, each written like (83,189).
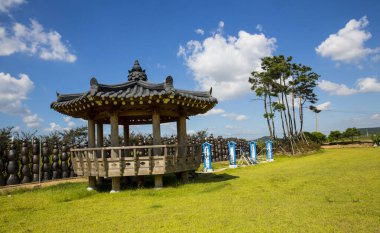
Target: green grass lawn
(333,191)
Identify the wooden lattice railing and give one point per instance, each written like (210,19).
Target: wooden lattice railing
(135,160)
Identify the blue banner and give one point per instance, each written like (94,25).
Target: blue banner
(207,157)
(232,154)
(253,151)
(269,149)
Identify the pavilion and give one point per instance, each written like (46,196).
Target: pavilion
(134,102)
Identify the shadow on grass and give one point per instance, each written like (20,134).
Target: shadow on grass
(213,178)
(67,192)
(170,180)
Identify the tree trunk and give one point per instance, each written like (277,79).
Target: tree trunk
(282,123)
(266,113)
(289,116)
(301,114)
(272,116)
(294,116)
(289,119)
(301,121)
(286,119)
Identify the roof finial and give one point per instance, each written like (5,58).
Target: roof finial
(136,66)
(137,73)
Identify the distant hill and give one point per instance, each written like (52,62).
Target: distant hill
(363,131)
(265,138)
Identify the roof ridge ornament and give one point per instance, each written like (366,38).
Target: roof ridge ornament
(94,85)
(169,83)
(137,73)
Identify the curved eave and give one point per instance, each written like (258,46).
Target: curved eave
(68,97)
(86,104)
(133,95)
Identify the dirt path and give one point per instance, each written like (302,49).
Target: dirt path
(10,188)
(357,145)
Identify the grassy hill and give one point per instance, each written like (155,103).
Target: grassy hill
(333,191)
(363,131)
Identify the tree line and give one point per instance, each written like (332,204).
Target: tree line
(338,136)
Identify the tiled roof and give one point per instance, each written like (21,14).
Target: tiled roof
(137,87)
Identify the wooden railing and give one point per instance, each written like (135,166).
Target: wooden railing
(135,160)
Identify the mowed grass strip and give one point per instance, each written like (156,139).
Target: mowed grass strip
(333,191)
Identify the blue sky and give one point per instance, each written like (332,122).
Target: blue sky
(49,46)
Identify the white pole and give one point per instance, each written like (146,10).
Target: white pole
(39,164)
(316,122)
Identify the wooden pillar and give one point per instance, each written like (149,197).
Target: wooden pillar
(115,184)
(185,177)
(140,181)
(182,134)
(114,129)
(126,139)
(91,133)
(114,120)
(158,181)
(182,141)
(156,128)
(99,143)
(126,135)
(99,135)
(91,144)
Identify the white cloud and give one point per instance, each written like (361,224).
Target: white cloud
(32,120)
(191,132)
(324,106)
(169,128)
(363,85)
(347,45)
(200,31)
(368,84)
(223,113)
(214,111)
(16,129)
(245,133)
(54,127)
(376,58)
(225,62)
(34,40)
(241,118)
(181,51)
(229,127)
(234,116)
(70,124)
(6,5)
(232,127)
(336,89)
(160,66)
(12,92)
(259,28)
(375,117)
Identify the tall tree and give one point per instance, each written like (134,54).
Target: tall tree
(305,82)
(351,133)
(335,135)
(280,83)
(262,84)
